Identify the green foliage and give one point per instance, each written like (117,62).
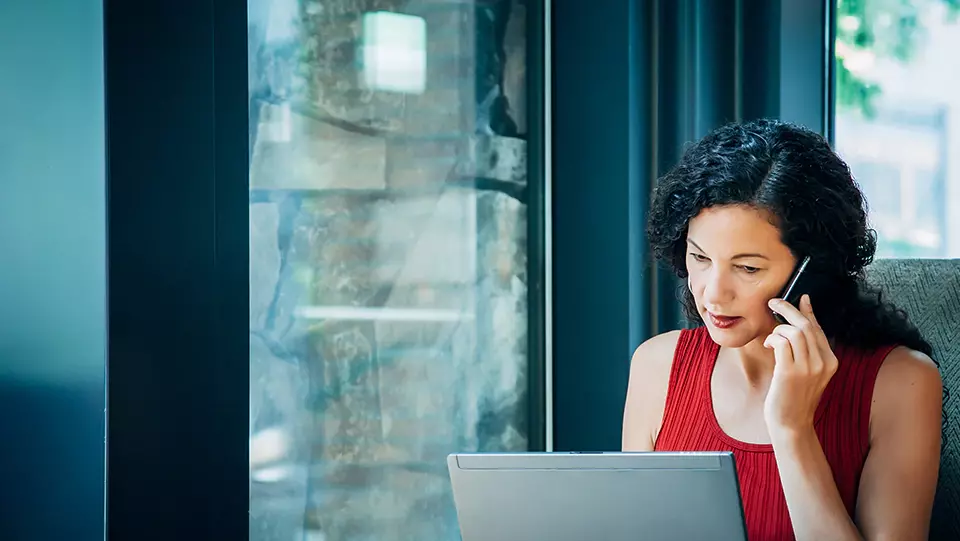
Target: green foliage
(886,29)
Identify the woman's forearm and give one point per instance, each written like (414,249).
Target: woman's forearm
(816,508)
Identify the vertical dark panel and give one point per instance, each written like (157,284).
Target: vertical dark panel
(52,270)
(675,75)
(675,121)
(227,438)
(601,175)
(830,71)
(759,57)
(715,58)
(804,62)
(641,172)
(536,226)
(785,58)
(177,212)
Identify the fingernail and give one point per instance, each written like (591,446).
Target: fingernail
(773,302)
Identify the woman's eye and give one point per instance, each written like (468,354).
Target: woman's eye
(698,257)
(748,269)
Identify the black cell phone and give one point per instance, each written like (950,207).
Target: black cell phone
(798,284)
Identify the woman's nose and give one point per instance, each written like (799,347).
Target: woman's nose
(717,291)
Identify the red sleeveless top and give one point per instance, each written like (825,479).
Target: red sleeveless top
(841,422)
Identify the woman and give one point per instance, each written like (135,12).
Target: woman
(834,418)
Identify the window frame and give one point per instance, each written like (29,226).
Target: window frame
(177,258)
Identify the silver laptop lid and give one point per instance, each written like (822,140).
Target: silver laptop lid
(597,496)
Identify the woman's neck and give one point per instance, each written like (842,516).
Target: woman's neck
(755,361)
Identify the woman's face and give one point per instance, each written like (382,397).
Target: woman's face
(736,263)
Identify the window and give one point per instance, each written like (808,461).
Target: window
(898,119)
(389,318)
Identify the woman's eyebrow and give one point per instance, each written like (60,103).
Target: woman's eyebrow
(738,256)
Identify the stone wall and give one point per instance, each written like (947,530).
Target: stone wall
(388,274)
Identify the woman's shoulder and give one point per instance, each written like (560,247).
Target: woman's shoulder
(904,361)
(651,362)
(908,383)
(904,370)
(656,346)
(647,390)
(655,356)
(894,366)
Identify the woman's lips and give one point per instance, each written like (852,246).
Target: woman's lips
(723,322)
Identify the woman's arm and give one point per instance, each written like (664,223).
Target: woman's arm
(647,392)
(805,363)
(899,478)
(900,474)
(816,509)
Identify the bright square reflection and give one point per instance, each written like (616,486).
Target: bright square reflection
(394,52)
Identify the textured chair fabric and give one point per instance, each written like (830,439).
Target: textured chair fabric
(929,292)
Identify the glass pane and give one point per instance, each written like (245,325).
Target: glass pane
(897,121)
(388,257)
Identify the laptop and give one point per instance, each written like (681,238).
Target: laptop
(597,496)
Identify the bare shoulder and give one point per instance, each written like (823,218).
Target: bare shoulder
(908,384)
(659,344)
(651,362)
(908,371)
(899,476)
(647,391)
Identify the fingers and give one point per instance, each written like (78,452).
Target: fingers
(806,308)
(782,351)
(788,311)
(799,345)
(809,347)
(803,319)
(820,339)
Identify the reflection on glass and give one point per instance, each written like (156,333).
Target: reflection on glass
(388,316)
(898,119)
(394,52)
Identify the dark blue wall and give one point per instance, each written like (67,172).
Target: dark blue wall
(602,174)
(52,270)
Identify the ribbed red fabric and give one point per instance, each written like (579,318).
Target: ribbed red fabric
(841,423)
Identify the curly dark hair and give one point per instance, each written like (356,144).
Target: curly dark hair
(792,173)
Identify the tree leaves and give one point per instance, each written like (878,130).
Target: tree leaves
(868,30)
